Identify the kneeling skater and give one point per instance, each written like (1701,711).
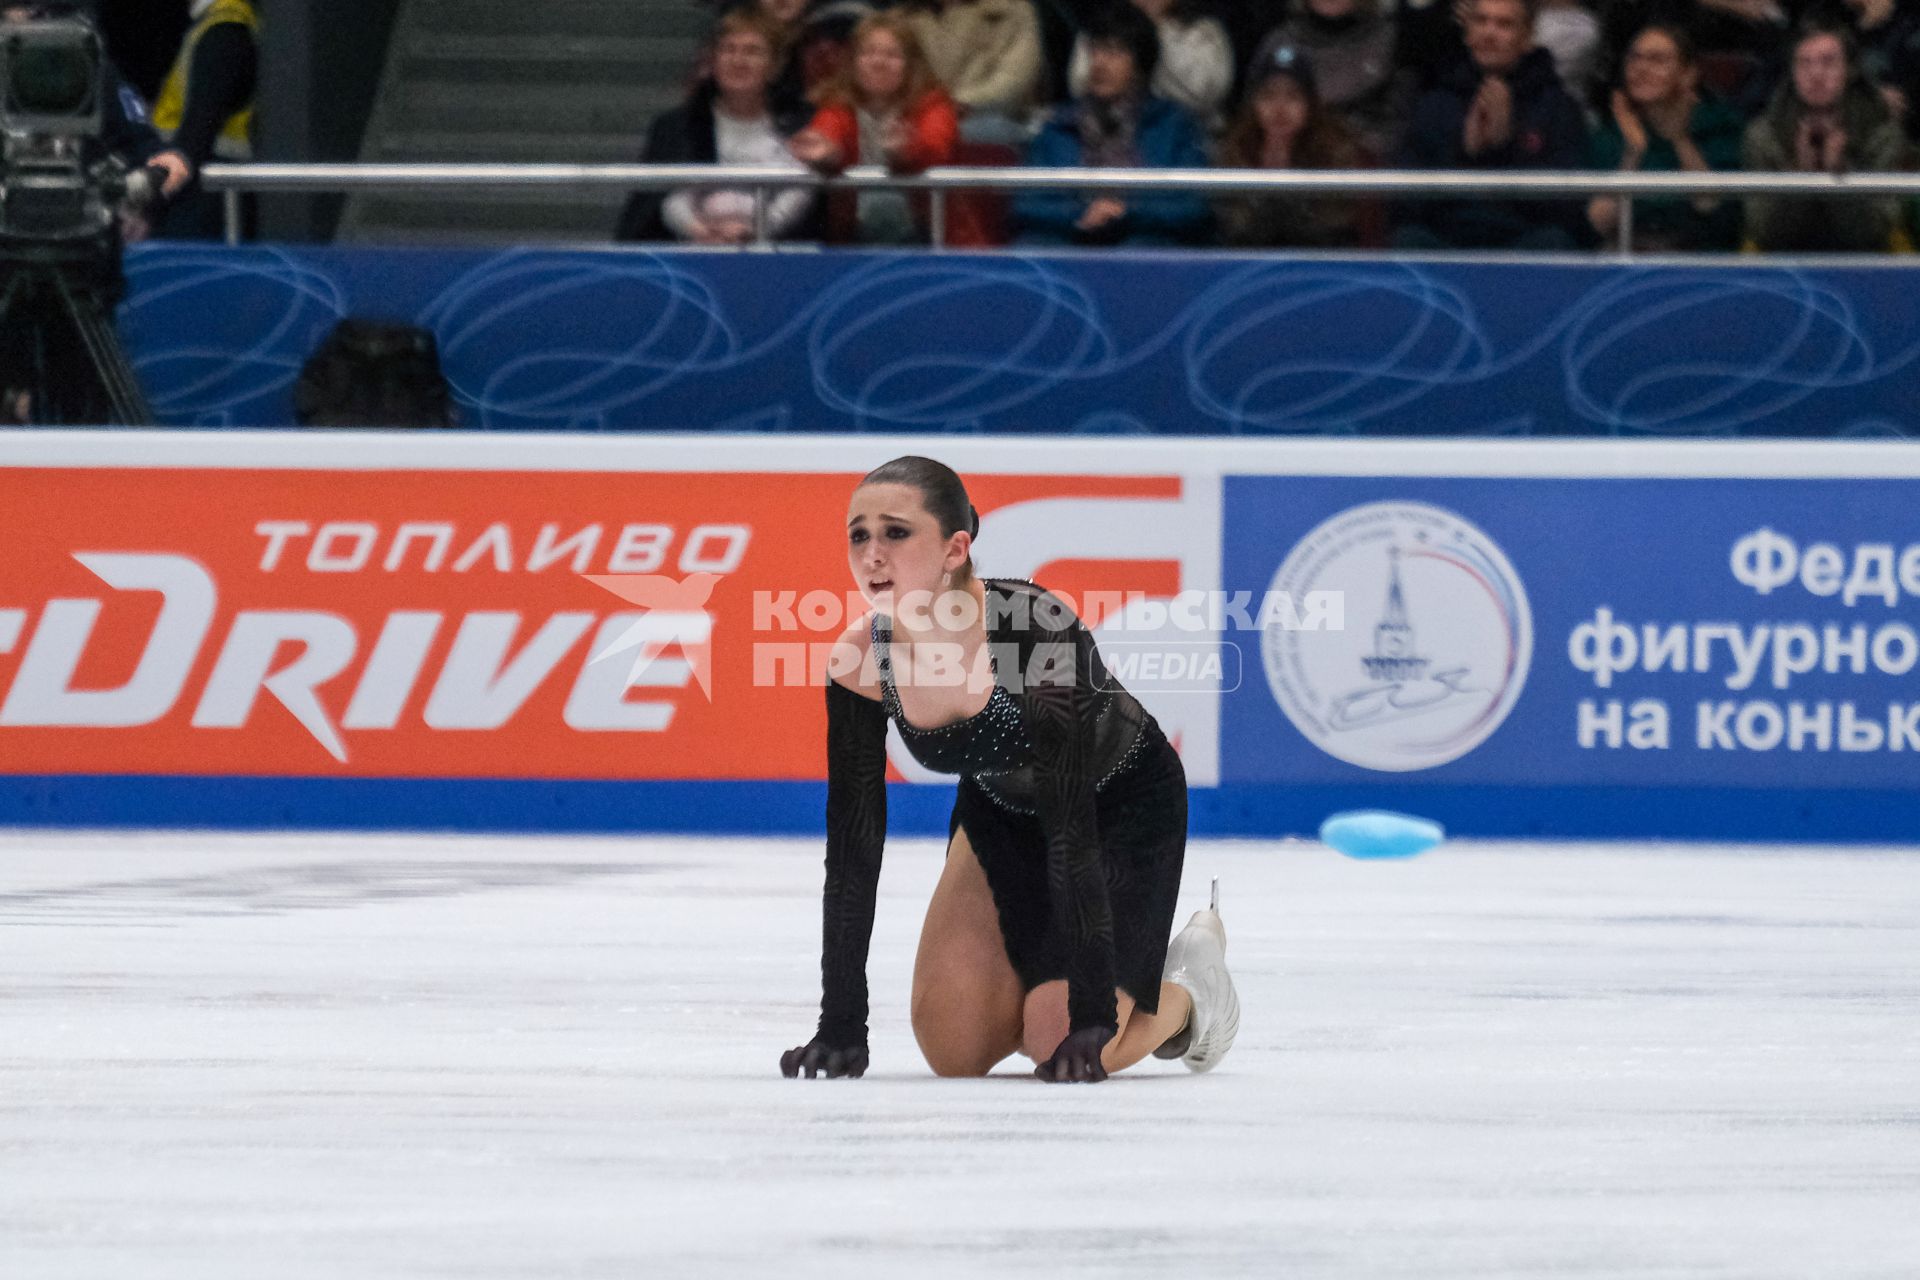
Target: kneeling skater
(1047,934)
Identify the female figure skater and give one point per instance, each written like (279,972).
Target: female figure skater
(1047,932)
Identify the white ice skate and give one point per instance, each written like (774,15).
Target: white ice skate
(1197,960)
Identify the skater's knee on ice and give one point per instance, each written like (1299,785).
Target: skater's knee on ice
(960,1035)
(959,1061)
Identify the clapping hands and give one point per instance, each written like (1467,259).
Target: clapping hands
(1820,145)
(1489,117)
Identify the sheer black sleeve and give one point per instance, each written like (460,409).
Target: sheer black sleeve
(1059,671)
(856,832)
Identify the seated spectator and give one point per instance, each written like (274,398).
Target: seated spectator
(1283,125)
(1351,46)
(1569,30)
(887,109)
(810,42)
(1824,118)
(987,53)
(1195,68)
(729,119)
(1660,122)
(1116,124)
(1501,108)
(1887,36)
(783,20)
(1738,44)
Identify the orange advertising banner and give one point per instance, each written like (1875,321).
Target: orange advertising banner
(448,623)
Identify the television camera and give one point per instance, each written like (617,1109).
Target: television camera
(62,190)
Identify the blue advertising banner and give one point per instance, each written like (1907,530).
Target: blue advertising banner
(1720,642)
(1101,344)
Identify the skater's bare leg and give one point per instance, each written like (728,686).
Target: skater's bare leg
(966,995)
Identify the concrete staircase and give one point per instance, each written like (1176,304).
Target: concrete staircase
(497,81)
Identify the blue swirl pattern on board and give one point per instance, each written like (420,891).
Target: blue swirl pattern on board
(1751,347)
(218,337)
(1092,344)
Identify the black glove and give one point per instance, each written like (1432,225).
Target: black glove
(1078,1058)
(819,1056)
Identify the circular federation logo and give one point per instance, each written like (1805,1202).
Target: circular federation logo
(1436,642)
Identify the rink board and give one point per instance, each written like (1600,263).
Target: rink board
(498,632)
(1107,343)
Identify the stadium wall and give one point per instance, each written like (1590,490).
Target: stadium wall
(321,63)
(1649,639)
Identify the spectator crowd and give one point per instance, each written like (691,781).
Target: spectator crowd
(1491,86)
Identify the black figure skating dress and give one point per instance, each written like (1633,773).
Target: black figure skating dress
(1072,798)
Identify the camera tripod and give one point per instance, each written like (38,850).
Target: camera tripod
(58,344)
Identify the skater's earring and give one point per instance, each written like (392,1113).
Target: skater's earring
(946,579)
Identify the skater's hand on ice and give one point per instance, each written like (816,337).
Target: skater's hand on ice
(1077,1058)
(819,1057)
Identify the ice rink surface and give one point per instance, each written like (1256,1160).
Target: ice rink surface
(320,1056)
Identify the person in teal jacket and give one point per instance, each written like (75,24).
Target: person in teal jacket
(1660,122)
(1116,124)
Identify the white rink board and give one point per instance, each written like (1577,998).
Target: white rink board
(304,1056)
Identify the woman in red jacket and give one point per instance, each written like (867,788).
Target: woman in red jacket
(887,108)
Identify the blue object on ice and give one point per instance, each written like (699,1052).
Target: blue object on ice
(1376,833)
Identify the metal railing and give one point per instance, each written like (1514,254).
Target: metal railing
(765,180)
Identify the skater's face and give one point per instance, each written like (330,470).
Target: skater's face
(895,546)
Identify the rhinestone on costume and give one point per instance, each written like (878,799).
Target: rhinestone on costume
(991,746)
